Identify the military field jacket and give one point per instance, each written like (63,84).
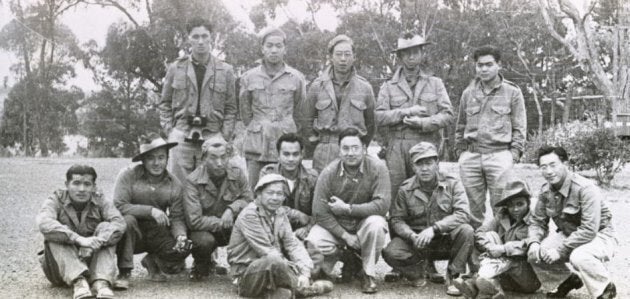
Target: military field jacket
(412,211)
(58,220)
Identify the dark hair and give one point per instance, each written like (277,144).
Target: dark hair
(290,138)
(198,22)
(79,169)
(350,132)
(487,50)
(558,150)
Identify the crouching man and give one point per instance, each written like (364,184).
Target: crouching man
(81,229)
(266,258)
(144,193)
(430,220)
(214,195)
(504,263)
(351,199)
(585,237)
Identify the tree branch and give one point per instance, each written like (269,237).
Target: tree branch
(549,23)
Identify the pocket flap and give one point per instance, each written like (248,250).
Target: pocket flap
(287,87)
(428,97)
(255,85)
(501,109)
(218,87)
(323,104)
(358,104)
(472,110)
(254,127)
(572,210)
(396,101)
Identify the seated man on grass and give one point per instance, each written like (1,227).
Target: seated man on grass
(81,229)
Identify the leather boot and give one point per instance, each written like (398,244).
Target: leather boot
(573,282)
(609,292)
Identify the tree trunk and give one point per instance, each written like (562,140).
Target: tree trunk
(568,103)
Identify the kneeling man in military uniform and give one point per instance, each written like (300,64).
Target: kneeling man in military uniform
(430,221)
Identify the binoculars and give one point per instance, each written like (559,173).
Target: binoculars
(197,124)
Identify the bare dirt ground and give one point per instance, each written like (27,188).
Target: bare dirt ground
(24,183)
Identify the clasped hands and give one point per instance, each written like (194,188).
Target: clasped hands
(536,254)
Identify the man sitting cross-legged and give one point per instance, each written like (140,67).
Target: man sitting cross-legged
(265,256)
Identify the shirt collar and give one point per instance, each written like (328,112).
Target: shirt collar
(342,169)
(496,86)
(441,183)
(66,200)
(566,185)
(399,75)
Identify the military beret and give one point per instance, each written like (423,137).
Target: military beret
(338,39)
(268,179)
(514,187)
(422,150)
(215,141)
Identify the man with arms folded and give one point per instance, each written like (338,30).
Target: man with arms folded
(265,256)
(301,182)
(352,197)
(214,195)
(144,193)
(430,220)
(81,229)
(585,237)
(412,106)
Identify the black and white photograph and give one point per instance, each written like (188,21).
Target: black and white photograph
(475,149)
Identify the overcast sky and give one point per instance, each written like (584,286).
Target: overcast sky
(91,22)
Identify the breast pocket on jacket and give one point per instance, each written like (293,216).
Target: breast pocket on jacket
(325,112)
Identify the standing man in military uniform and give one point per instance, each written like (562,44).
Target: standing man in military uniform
(214,194)
(301,182)
(338,99)
(269,96)
(490,131)
(585,236)
(429,218)
(198,100)
(412,106)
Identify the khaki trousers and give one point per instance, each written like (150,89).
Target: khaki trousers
(61,262)
(588,261)
(325,249)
